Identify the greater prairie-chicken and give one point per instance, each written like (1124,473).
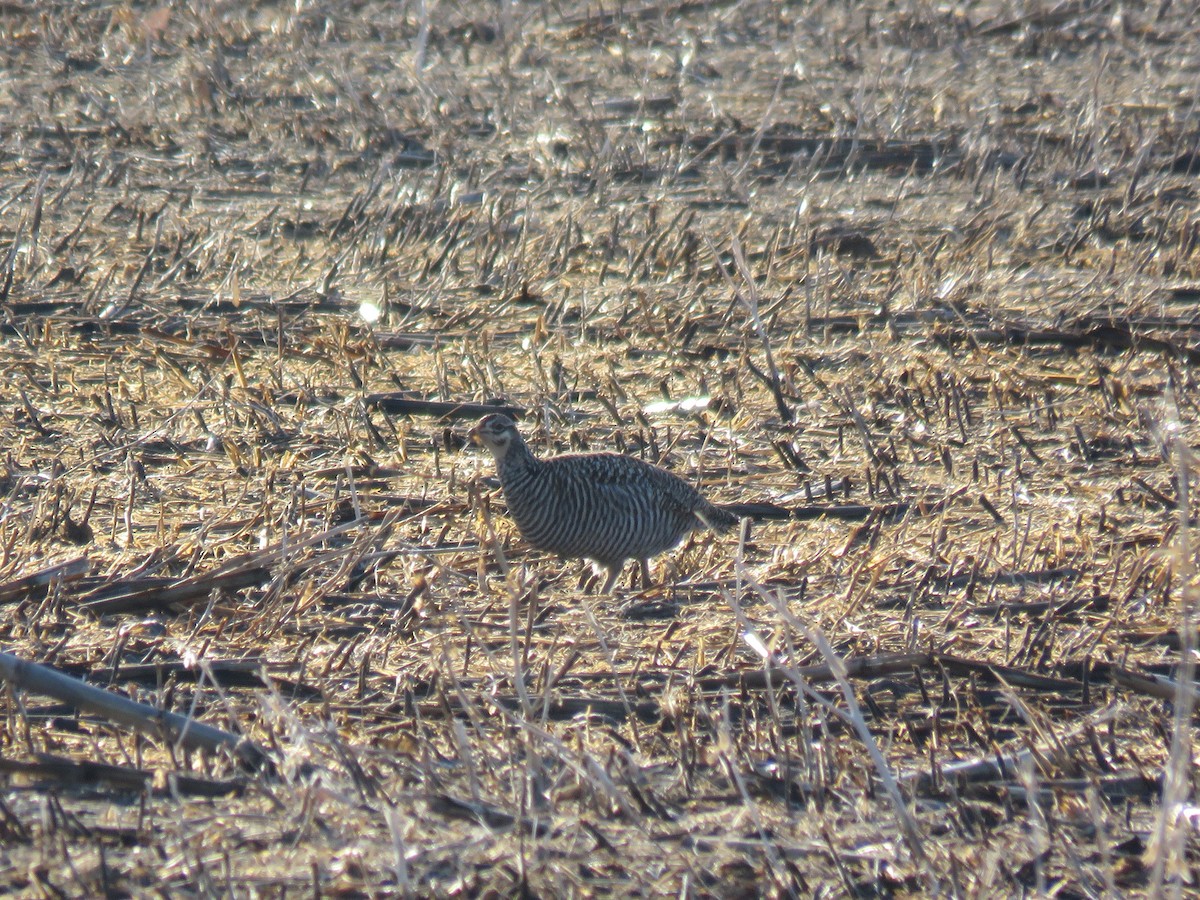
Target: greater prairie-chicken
(600,506)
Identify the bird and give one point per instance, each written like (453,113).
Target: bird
(605,507)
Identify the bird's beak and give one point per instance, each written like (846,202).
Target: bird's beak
(473,434)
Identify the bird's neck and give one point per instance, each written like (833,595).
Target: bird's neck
(516,460)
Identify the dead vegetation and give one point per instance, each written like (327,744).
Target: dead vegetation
(916,284)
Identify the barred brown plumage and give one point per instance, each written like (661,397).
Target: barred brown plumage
(601,506)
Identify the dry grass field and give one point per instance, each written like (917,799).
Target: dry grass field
(914,282)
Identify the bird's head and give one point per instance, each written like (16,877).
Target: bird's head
(497,433)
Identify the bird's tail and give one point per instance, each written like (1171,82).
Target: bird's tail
(716,519)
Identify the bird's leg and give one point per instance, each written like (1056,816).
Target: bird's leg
(613,572)
(587,579)
(645,573)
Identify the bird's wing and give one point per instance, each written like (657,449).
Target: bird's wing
(629,473)
(625,482)
(611,471)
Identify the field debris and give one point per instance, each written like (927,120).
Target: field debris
(913,287)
